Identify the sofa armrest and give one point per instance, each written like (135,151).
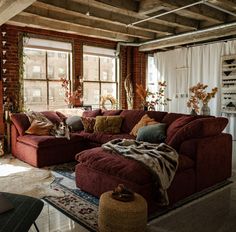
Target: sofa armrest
(14,135)
(213,158)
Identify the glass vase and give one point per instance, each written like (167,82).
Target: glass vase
(193,112)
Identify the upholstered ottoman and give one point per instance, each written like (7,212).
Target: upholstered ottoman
(98,171)
(116,216)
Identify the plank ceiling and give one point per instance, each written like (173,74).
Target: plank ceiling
(120,20)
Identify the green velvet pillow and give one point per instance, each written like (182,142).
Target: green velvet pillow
(108,124)
(152,133)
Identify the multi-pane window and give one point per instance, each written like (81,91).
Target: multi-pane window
(99,75)
(43,69)
(151,81)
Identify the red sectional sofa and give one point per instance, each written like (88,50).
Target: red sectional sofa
(205,153)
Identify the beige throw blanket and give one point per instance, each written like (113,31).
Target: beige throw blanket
(160,159)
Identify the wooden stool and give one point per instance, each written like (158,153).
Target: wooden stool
(114,215)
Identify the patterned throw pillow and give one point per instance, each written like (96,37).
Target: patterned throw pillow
(108,124)
(144,121)
(88,123)
(39,128)
(33,115)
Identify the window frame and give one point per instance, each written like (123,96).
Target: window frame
(47,79)
(100,81)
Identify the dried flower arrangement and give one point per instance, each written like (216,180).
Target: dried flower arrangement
(71,98)
(157,98)
(200,94)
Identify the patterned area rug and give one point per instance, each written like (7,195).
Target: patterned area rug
(76,204)
(83,207)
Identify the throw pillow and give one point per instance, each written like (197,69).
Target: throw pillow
(33,115)
(144,121)
(39,128)
(108,124)
(52,116)
(152,133)
(88,123)
(75,123)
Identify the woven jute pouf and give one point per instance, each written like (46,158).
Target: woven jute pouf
(114,215)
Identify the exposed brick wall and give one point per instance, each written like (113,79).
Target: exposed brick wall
(132,61)
(12,46)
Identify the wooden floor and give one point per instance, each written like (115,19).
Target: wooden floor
(214,213)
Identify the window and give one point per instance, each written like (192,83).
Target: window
(151,82)
(99,75)
(45,63)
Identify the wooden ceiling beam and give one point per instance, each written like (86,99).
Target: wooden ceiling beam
(10,8)
(26,19)
(190,38)
(225,4)
(127,4)
(80,20)
(200,12)
(188,24)
(149,6)
(80,10)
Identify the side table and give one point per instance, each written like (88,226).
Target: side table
(114,215)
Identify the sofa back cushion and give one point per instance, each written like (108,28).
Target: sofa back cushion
(177,125)
(156,115)
(111,112)
(199,128)
(130,119)
(21,122)
(171,117)
(92,113)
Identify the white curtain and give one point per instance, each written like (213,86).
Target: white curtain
(192,65)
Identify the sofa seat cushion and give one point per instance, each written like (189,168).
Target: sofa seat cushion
(47,140)
(101,137)
(121,167)
(114,165)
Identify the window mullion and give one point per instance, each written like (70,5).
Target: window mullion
(47,80)
(99,79)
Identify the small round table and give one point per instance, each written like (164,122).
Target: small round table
(114,215)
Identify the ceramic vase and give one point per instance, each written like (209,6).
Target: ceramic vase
(205,110)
